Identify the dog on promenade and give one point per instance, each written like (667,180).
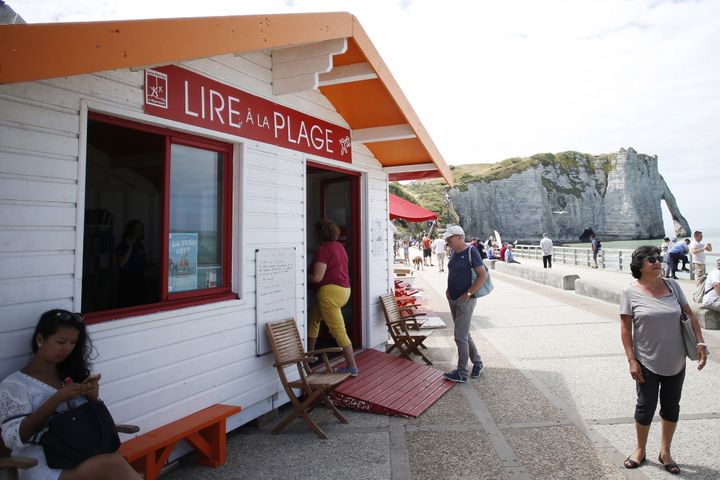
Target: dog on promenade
(418,263)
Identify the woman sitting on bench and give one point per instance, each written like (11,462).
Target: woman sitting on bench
(54,377)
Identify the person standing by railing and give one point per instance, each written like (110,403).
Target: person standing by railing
(595,245)
(698,249)
(546,245)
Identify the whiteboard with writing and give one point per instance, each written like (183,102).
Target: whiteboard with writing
(274,289)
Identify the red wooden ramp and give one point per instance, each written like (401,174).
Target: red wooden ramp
(391,385)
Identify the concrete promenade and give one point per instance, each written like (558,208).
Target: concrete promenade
(555,402)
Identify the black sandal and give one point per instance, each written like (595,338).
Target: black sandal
(669,467)
(630,463)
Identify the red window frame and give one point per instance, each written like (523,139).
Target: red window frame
(173,301)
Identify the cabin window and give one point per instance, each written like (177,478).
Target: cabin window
(157,219)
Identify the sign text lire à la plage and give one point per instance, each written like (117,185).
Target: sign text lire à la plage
(177,94)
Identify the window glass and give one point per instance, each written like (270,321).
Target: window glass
(122,248)
(196,213)
(155,220)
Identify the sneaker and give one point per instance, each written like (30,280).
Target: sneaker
(352,371)
(476,371)
(456,376)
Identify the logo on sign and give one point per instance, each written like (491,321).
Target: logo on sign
(156,88)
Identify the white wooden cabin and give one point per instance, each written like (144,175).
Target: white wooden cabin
(70,179)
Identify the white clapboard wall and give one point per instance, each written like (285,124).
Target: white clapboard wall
(162,366)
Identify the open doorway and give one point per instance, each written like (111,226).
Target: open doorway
(335,194)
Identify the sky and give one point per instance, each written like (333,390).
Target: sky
(492,80)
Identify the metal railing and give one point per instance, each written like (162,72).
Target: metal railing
(617,259)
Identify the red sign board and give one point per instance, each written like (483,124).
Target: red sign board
(177,94)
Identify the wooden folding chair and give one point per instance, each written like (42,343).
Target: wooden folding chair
(288,350)
(10,465)
(405,331)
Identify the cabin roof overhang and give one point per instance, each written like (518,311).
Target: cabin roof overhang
(329,52)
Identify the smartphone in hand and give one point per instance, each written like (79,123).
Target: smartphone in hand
(92,378)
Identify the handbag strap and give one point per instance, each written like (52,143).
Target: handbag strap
(671,286)
(470,248)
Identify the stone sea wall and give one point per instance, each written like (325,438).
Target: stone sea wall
(617,196)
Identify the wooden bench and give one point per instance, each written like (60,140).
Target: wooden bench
(203,430)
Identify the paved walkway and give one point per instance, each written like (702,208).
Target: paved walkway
(555,402)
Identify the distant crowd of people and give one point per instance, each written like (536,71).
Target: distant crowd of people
(489,249)
(674,252)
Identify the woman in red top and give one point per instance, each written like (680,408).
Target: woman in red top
(329,273)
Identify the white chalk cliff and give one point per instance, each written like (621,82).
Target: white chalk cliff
(617,196)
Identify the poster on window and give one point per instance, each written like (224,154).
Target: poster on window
(182,262)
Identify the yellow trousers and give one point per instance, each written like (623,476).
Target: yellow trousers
(330,299)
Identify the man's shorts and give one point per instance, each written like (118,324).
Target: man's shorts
(427,252)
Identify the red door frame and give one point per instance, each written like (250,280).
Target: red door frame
(356,239)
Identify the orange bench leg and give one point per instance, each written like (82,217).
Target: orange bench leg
(151,464)
(210,444)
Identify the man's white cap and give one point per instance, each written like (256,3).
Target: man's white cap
(453,230)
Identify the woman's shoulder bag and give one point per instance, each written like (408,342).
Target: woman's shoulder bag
(71,437)
(688,334)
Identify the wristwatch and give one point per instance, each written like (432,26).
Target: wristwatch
(469,294)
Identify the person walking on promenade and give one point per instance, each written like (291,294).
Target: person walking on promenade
(650,310)
(546,246)
(439,248)
(406,252)
(426,245)
(698,249)
(595,245)
(460,291)
(711,299)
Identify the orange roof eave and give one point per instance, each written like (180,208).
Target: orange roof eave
(87,47)
(402,102)
(41,51)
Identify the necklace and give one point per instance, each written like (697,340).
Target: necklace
(657,286)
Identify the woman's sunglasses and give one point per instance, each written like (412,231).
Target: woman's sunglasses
(655,258)
(65,316)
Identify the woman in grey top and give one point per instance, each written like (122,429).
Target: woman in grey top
(651,335)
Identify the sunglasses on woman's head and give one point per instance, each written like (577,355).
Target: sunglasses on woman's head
(655,258)
(65,316)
